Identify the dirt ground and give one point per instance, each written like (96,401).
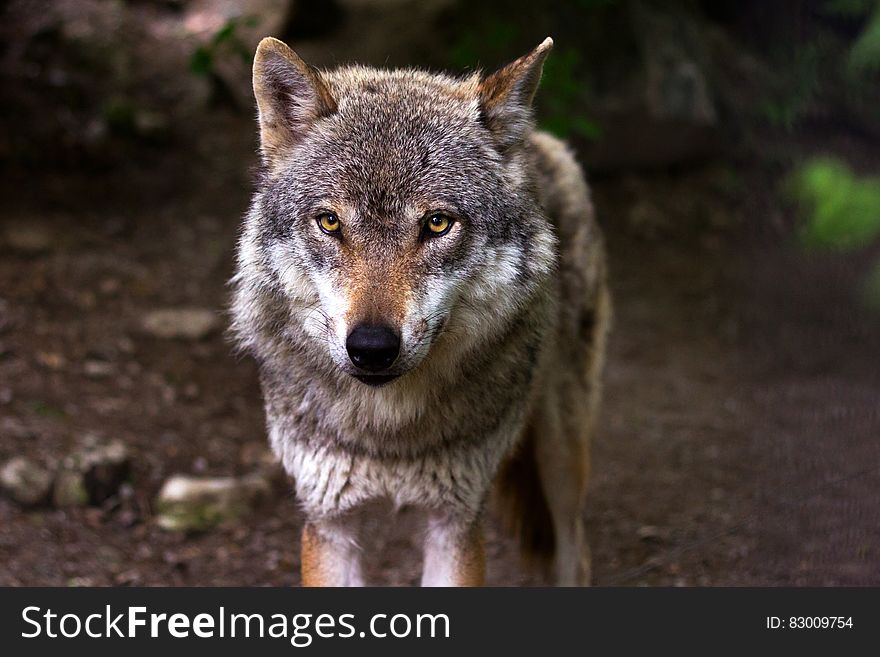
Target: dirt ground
(739,436)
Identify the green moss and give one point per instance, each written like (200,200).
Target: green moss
(225,42)
(843,209)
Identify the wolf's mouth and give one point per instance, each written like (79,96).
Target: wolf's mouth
(375,379)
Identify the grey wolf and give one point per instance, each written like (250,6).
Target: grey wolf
(423,285)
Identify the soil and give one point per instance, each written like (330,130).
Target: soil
(738,442)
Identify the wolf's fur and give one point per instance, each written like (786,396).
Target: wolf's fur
(502,321)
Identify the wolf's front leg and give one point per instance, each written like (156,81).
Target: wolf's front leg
(330,555)
(454,553)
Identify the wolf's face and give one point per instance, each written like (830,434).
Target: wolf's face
(394,206)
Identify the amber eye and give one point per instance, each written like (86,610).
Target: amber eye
(439,224)
(329,223)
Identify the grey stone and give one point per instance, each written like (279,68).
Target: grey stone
(187,503)
(677,58)
(25,482)
(27,237)
(98,369)
(69,490)
(180,323)
(92,474)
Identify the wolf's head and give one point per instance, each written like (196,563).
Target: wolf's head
(395,207)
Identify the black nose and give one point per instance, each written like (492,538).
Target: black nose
(373,348)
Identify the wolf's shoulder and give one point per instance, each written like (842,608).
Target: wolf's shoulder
(560,182)
(563,192)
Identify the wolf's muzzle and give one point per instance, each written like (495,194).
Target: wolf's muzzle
(373,348)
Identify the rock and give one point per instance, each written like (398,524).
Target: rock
(25,482)
(98,369)
(650,533)
(15,428)
(28,238)
(69,490)
(664,106)
(677,89)
(92,474)
(188,503)
(51,360)
(151,124)
(109,287)
(180,323)
(676,66)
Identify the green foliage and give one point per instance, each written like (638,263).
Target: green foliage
(225,41)
(785,108)
(829,70)
(864,56)
(864,53)
(849,8)
(491,41)
(562,97)
(844,209)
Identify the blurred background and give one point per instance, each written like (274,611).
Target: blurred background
(733,153)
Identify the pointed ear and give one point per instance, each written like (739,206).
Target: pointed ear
(506,95)
(291,96)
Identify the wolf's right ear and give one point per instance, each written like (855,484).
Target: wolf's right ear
(291,96)
(506,95)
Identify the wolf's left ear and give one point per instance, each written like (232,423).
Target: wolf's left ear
(291,96)
(506,95)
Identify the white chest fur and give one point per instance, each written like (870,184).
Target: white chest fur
(332,480)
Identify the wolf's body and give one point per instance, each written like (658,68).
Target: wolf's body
(500,320)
